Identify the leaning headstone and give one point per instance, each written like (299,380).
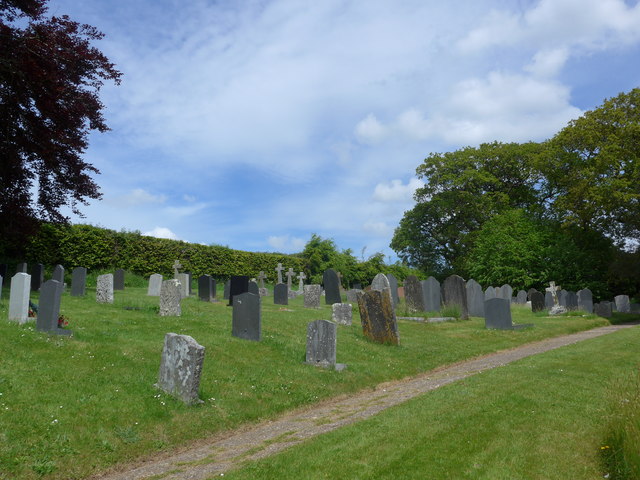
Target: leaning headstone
(342,313)
(585,300)
(104,288)
(37,276)
(78,282)
(205,292)
(49,309)
(155,284)
(21,268)
(393,285)
(622,303)
(312,294)
(58,274)
(413,294)
(475,298)
(521,297)
(321,343)
(246,322)
(170,296)
(352,296)
(118,279)
(505,292)
(19,298)
(183,279)
(254,288)
(239,284)
(537,301)
(227,290)
(490,293)
(432,294)
(454,293)
(181,367)
(603,309)
(280,294)
(331,287)
(378,318)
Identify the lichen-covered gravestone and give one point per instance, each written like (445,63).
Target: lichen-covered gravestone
(454,294)
(155,284)
(104,288)
(312,294)
(413,294)
(378,318)
(321,343)
(170,297)
(342,313)
(19,298)
(181,367)
(49,309)
(78,282)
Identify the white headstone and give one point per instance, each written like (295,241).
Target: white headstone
(104,288)
(19,298)
(155,283)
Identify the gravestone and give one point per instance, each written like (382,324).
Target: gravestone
(521,297)
(104,288)
(380,282)
(342,313)
(505,292)
(585,300)
(530,292)
(78,282)
(176,269)
(475,298)
(170,297)
(603,309)
(321,343)
(393,285)
(19,298)
(118,279)
(331,287)
(432,294)
(377,317)
(58,274)
(281,294)
(205,292)
(497,315)
(239,284)
(622,304)
(253,288)
(562,298)
(21,267)
(352,296)
(312,294)
(261,278)
(634,308)
(571,301)
(413,294)
(279,269)
(537,301)
(490,293)
(290,276)
(301,279)
(181,366)
(214,289)
(246,318)
(548,300)
(155,284)
(227,290)
(183,280)
(454,293)
(189,282)
(37,276)
(49,309)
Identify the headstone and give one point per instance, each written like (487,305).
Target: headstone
(352,296)
(331,287)
(261,278)
(301,279)
(571,301)
(253,288)
(189,282)
(475,298)
(585,300)
(393,285)
(537,302)
(497,314)
(246,318)
(19,298)
(170,296)
(214,289)
(530,292)
(622,304)
(321,343)
(118,279)
(205,292)
(104,288)
(227,290)
(49,309)
(37,276)
(381,282)
(181,367)
(342,313)
(264,292)
(58,274)
(176,269)
(548,300)
(454,293)
(562,298)
(413,294)
(155,284)
(603,309)
(432,295)
(521,297)
(280,294)
(312,294)
(506,292)
(378,318)
(490,293)
(78,282)
(183,279)
(21,268)
(290,276)
(239,284)
(279,269)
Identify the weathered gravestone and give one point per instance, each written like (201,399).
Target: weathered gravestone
(378,318)
(118,279)
(475,298)
(312,294)
(170,296)
(548,300)
(571,300)
(239,285)
(380,282)
(537,301)
(497,315)
(281,294)
(246,322)
(585,300)
(290,274)
(49,308)
(490,293)
(155,284)
(183,279)
(321,343)
(331,287)
(19,298)
(562,298)
(393,285)
(454,294)
(603,309)
(104,288)
(205,288)
(622,303)
(521,297)
(21,267)
(78,282)
(342,313)
(530,292)
(413,294)
(181,367)
(37,276)
(58,274)
(505,292)
(253,288)
(352,296)
(176,269)
(227,290)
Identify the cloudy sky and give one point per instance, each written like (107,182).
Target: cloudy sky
(255,123)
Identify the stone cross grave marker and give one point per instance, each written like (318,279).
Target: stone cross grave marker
(290,274)
(181,367)
(104,288)
(155,284)
(279,269)
(301,279)
(49,309)
(321,343)
(554,289)
(170,297)
(78,281)
(19,298)
(261,278)
(377,317)
(246,318)
(176,269)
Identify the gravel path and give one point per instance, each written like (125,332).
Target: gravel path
(223,453)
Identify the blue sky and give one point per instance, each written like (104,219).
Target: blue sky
(256,123)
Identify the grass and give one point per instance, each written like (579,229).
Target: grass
(71,407)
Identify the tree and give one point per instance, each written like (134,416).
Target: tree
(50,76)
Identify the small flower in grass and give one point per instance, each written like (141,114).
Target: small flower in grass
(62,321)
(604,447)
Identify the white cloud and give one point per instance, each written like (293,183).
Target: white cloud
(286,243)
(548,63)
(185,211)
(161,232)
(395,191)
(137,197)
(378,229)
(370,130)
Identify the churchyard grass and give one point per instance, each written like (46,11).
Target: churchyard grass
(70,407)
(543,417)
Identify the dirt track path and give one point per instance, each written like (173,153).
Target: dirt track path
(223,453)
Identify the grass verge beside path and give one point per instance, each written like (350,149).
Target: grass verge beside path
(543,417)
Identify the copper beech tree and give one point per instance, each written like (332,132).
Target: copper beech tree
(50,77)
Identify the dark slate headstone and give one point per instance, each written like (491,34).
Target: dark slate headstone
(281,294)
(37,276)
(331,287)
(634,308)
(530,292)
(205,292)
(585,300)
(254,288)
(239,284)
(181,367)
(497,314)
(377,317)
(118,279)
(393,285)
(214,287)
(21,268)
(455,294)
(521,297)
(603,309)
(537,301)
(49,308)
(475,298)
(58,274)
(571,301)
(321,343)
(247,317)
(431,294)
(226,291)
(78,281)
(413,294)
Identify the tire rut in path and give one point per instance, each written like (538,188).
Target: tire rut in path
(221,454)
